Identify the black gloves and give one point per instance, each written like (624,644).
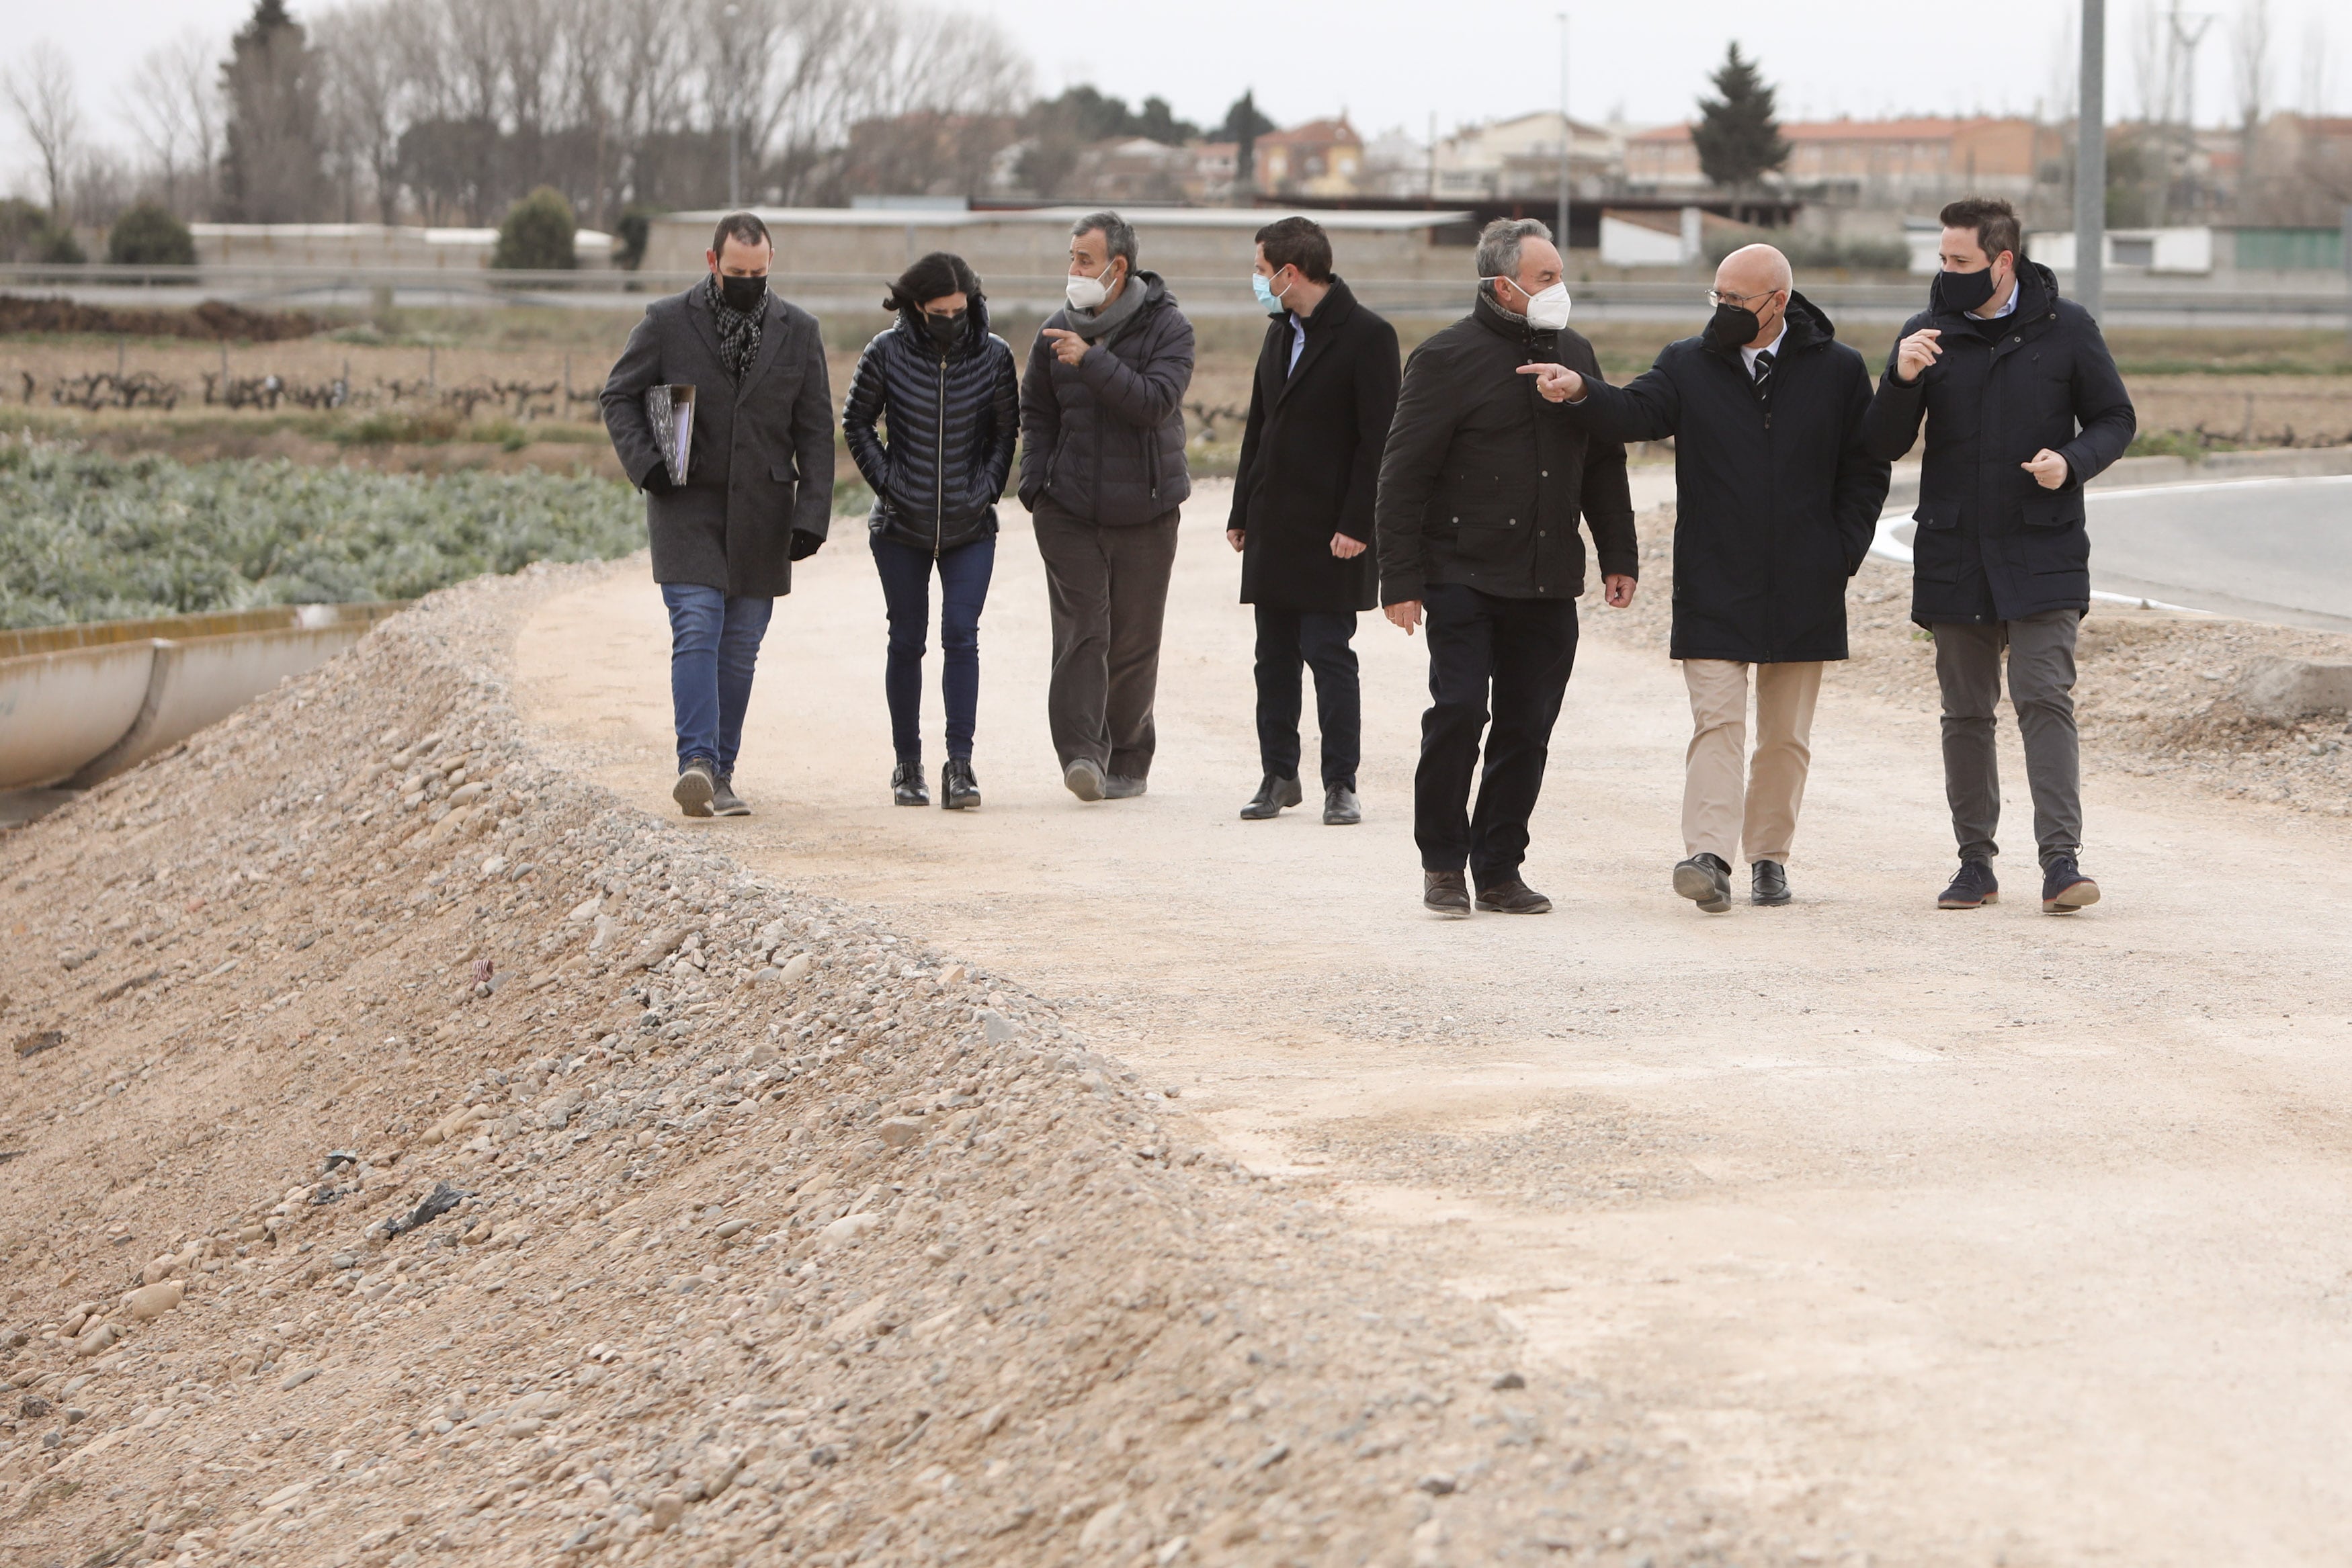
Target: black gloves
(658,481)
(805,545)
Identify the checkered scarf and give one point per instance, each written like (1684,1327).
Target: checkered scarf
(739,333)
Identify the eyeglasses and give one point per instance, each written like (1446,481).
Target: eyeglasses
(1717,297)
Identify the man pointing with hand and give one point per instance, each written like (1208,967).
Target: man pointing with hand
(2024,407)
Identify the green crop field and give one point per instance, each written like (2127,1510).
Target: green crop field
(87,536)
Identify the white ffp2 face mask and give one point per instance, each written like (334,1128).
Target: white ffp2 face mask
(1086,293)
(1546,309)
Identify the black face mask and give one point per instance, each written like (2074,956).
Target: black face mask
(946,331)
(1731,327)
(1960,291)
(743,294)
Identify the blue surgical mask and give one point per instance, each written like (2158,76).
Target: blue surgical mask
(1263,287)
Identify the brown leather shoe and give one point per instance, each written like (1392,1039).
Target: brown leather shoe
(1513,897)
(1445,892)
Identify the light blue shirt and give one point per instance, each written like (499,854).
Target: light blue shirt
(1298,341)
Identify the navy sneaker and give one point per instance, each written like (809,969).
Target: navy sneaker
(1971,888)
(2064,888)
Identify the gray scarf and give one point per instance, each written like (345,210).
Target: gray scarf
(739,331)
(1104,324)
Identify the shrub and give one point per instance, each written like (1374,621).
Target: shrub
(150,235)
(28,233)
(536,234)
(85,536)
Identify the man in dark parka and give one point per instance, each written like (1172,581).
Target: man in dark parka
(758,490)
(2024,407)
(1311,464)
(1775,506)
(1482,485)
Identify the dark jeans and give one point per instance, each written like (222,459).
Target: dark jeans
(1520,650)
(2040,650)
(714,641)
(906,573)
(1107,590)
(1318,639)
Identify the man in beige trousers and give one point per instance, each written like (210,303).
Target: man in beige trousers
(1776,504)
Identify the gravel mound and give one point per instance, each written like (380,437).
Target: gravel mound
(409,1152)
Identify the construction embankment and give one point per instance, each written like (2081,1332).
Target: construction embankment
(411,1150)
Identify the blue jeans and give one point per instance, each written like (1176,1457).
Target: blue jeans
(906,574)
(714,641)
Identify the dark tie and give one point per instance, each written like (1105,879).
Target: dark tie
(1764,377)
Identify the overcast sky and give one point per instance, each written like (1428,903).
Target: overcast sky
(1396,63)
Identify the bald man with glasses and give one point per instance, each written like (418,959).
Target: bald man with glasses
(1776,504)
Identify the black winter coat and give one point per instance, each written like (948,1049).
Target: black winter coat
(1103,440)
(1311,463)
(1483,479)
(1992,545)
(1774,507)
(760,466)
(953,417)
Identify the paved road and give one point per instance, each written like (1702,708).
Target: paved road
(1966,1239)
(2272,550)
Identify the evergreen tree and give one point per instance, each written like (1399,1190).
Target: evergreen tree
(272,172)
(150,235)
(1737,137)
(537,234)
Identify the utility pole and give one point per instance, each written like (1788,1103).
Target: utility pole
(1567,144)
(2091,160)
(2348,274)
(734,116)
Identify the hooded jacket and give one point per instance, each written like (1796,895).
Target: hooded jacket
(1776,501)
(1103,440)
(1991,544)
(1482,480)
(953,416)
(1310,459)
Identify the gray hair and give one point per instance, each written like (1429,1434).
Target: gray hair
(1119,235)
(1499,243)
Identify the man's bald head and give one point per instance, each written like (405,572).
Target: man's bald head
(1754,269)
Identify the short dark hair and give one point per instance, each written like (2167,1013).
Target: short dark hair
(1119,235)
(1300,243)
(1994,220)
(744,226)
(940,272)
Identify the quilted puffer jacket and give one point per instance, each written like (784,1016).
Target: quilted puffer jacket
(951,420)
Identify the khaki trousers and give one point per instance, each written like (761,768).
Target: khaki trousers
(1728,800)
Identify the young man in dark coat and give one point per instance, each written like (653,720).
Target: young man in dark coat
(1775,506)
(1103,473)
(1481,486)
(1319,408)
(2024,407)
(757,494)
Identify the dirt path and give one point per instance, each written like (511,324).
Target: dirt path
(1968,1237)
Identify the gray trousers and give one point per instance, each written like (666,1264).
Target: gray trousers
(2041,651)
(1108,592)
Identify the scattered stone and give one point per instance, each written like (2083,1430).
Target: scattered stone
(1437,1483)
(151,1301)
(39,1040)
(296,1378)
(668,1509)
(899,1131)
(438,1202)
(848,1232)
(1508,1380)
(797,967)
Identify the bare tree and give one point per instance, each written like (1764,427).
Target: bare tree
(366,94)
(40,90)
(2250,62)
(174,105)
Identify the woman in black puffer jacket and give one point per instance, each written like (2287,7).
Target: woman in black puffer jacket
(945,388)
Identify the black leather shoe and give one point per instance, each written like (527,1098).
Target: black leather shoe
(958,790)
(2064,888)
(1513,897)
(1768,882)
(1972,887)
(1445,892)
(906,786)
(1340,807)
(724,802)
(1706,881)
(1124,786)
(1272,796)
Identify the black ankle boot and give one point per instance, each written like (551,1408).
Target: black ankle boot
(907,788)
(958,790)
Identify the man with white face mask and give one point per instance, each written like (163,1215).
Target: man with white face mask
(1103,473)
(1481,486)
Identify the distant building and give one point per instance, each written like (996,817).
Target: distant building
(1520,157)
(366,245)
(1874,162)
(1320,158)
